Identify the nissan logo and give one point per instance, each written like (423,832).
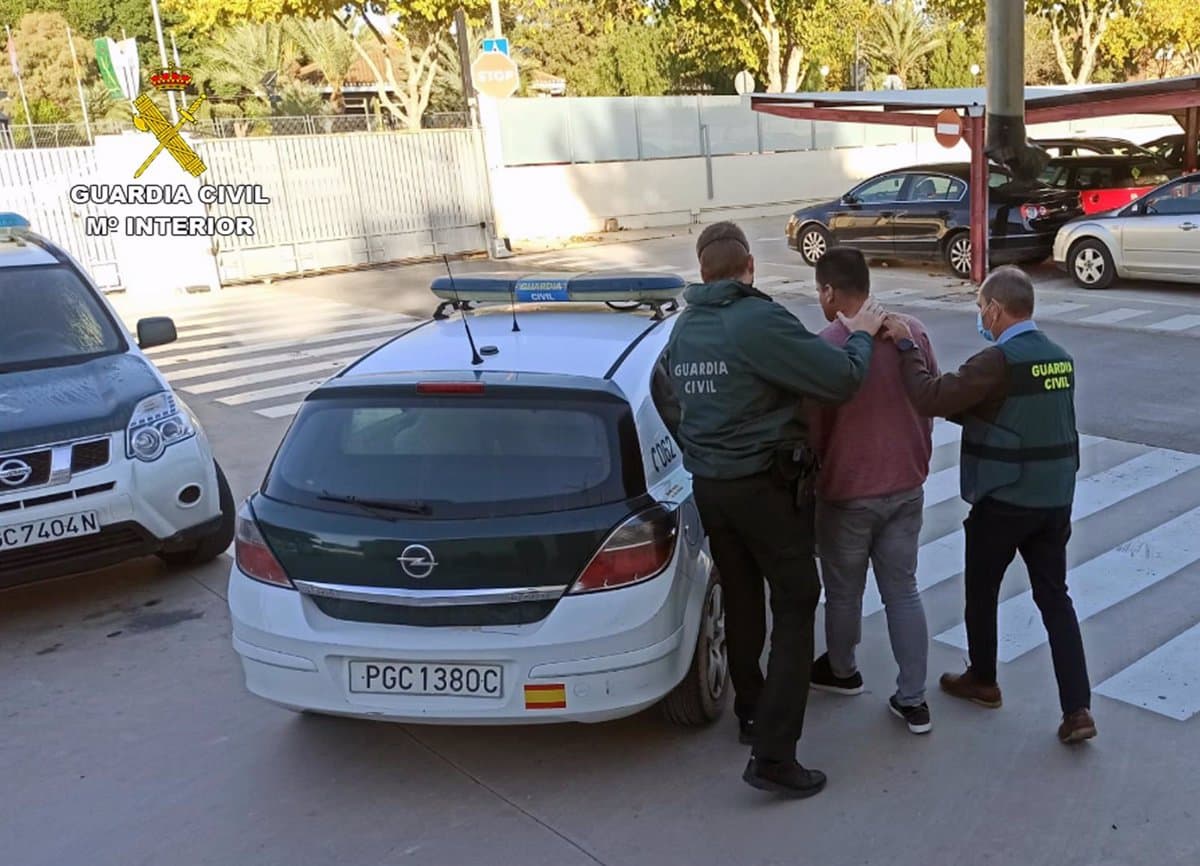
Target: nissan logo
(15,472)
(417,561)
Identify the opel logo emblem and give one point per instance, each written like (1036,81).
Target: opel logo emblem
(15,472)
(417,561)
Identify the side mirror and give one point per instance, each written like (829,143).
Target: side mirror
(156,331)
(849,198)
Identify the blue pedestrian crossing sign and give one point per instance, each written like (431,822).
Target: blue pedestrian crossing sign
(499,44)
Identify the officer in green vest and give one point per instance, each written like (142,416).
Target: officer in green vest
(1020,452)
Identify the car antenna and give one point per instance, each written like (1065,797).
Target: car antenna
(475,358)
(512,304)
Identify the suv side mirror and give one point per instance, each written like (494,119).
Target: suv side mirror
(156,331)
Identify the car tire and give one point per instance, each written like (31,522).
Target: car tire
(700,698)
(813,243)
(957,254)
(1091,264)
(213,545)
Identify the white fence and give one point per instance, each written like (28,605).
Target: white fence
(336,200)
(349,200)
(577,130)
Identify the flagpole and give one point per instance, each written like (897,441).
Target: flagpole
(16,68)
(162,54)
(87,124)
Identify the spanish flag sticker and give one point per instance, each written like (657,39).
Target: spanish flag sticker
(547,697)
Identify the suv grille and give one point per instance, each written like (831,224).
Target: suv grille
(18,471)
(118,537)
(89,455)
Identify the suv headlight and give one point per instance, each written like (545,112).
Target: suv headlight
(157,423)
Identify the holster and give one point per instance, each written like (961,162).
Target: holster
(796,467)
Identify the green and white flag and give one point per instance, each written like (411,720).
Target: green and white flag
(118,62)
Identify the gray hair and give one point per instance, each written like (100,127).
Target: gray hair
(1011,288)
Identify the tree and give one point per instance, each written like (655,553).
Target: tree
(607,48)
(328,47)
(1077,28)
(402,46)
(1157,35)
(248,64)
(774,25)
(949,64)
(46,70)
(900,38)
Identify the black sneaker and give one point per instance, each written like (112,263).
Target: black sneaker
(917,718)
(823,679)
(783,777)
(746,732)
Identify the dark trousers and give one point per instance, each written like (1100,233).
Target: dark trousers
(996,532)
(756,530)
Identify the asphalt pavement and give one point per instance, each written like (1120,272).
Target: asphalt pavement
(129,739)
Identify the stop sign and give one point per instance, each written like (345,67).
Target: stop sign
(495,75)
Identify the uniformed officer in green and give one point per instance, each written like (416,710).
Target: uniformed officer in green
(1020,453)
(741,365)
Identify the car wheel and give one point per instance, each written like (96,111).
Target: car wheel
(1091,264)
(211,546)
(700,698)
(958,254)
(813,243)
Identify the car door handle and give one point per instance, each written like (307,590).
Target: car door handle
(1187,227)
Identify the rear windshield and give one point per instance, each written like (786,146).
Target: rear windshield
(50,317)
(1148,172)
(455,457)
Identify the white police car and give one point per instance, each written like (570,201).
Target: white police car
(99,460)
(488,528)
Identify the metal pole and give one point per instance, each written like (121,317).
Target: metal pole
(87,125)
(496,19)
(174,48)
(979,194)
(162,55)
(464,64)
(1006,138)
(21,87)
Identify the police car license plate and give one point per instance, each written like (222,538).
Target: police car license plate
(14,535)
(427,678)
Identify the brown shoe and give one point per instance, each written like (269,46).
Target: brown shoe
(1077,727)
(968,687)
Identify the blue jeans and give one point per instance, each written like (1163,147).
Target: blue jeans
(884,532)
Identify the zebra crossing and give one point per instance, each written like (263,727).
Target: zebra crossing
(1136,529)
(264,351)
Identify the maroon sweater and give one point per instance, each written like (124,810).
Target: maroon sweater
(877,443)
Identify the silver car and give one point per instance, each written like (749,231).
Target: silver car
(1156,237)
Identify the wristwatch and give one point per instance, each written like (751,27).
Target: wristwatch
(904,344)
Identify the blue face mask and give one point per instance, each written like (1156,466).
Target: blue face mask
(983,332)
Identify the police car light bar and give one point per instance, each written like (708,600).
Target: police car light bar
(10,220)
(613,287)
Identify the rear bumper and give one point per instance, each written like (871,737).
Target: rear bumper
(614,653)
(1008,249)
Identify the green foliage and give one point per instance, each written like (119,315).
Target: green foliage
(949,64)
(46,70)
(899,38)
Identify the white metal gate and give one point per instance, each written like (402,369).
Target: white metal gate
(349,199)
(35,184)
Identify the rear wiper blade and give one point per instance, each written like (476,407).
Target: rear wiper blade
(396,505)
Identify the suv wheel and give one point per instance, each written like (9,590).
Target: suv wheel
(700,698)
(813,243)
(212,546)
(1091,264)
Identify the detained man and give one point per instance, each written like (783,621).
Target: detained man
(874,451)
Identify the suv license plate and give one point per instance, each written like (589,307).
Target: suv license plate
(427,678)
(14,535)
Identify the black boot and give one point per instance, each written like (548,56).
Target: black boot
(783,777)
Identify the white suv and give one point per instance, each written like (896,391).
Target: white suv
(99,460)
(488,530)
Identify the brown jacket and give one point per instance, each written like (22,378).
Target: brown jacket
(979,387)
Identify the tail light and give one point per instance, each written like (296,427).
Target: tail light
(254,557)
(450,388)
(1032,212)
(637,550)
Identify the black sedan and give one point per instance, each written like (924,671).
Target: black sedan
(923,212)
